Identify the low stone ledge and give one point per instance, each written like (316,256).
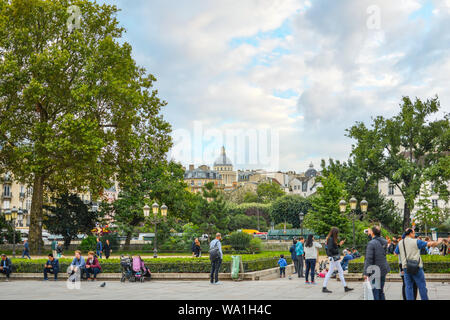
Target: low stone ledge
(395,277)
(256,275)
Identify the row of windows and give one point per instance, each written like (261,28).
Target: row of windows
(304,186)
(7,205)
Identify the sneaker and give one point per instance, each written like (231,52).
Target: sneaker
(294,272)
(306,282)
(218,282)
(347,289)
(325,290)
(45,280)
(312,282)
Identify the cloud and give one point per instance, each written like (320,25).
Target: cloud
(306,69)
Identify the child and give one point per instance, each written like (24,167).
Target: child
(282,263)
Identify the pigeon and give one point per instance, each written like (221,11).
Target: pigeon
(290,277)
(103,284)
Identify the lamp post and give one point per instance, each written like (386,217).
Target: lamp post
(156,219)
(301,216)
(353,204)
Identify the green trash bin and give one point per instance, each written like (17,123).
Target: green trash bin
(235,267)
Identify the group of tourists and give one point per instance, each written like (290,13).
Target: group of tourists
(80,267)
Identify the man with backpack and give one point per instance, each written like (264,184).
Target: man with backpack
(376,256)
(216,256)
(409,251)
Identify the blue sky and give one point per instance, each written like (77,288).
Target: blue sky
(302,70)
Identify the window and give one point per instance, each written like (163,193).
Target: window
(6,204)
(434,203)
(391,190)
(304,186)
(28,204)
(6,190)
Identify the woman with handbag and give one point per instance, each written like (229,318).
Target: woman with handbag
(334,257)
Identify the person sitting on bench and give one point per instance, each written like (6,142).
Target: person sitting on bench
(5,266)
(51,266)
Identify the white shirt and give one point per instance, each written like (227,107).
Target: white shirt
(311,252)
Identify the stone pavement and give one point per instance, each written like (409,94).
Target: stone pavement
(280,289)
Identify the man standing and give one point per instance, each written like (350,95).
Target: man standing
(299,251)
(5,266)
(216,256)
(26,250)
(376,259)
(294,255)
(52,267)
(409,251)
(99,248)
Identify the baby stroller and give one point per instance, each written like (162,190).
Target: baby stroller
(139,269)
(127,269)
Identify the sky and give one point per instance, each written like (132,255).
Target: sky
(278,81)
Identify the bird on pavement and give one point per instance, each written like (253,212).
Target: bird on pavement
(103,284)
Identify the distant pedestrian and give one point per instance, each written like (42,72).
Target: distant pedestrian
(294,255)
(334,257)
(59,250)
(216,256)
(99,248)
(376,256)
(107,249)
(54,247)
(311,256)
(444,248)
(282,263)
(300,256)
(408,250)
(26,250)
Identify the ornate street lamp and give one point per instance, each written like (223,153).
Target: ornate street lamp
(353,204)
(301,216)
(342,206)
(155,220)
(13,218)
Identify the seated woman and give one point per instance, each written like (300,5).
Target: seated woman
(144,269)
(196,248)
(92,266)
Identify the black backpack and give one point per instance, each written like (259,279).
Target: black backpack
(214,252)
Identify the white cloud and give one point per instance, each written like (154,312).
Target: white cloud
(335,69)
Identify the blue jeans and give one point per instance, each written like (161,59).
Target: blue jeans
(215,267)
(419,280)
(52,271)
(26,253)
(94,271)
(310,267)
(378,294)
(99,254)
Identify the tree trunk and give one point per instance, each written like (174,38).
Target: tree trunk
(406,217)
(35,231)
(127,241)
(67,242)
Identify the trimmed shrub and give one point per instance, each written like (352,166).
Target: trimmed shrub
(162,265)
(89,243)
(240,240)
(431,264)
(255,245)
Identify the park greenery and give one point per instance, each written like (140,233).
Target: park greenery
(78,114)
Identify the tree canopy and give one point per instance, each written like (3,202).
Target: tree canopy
(76,110)
(405,149)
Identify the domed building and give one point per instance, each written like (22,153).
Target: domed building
(224,167)
(311,172)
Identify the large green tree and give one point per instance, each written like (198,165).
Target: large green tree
(362,185)
(161,182)
(288,207)
(75,109)
(405,149)
(268,191)
(70,216)
(210,213)
(325,207)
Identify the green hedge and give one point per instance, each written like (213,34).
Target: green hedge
(163,265)
(431,264)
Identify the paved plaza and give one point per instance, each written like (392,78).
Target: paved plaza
(280,289)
